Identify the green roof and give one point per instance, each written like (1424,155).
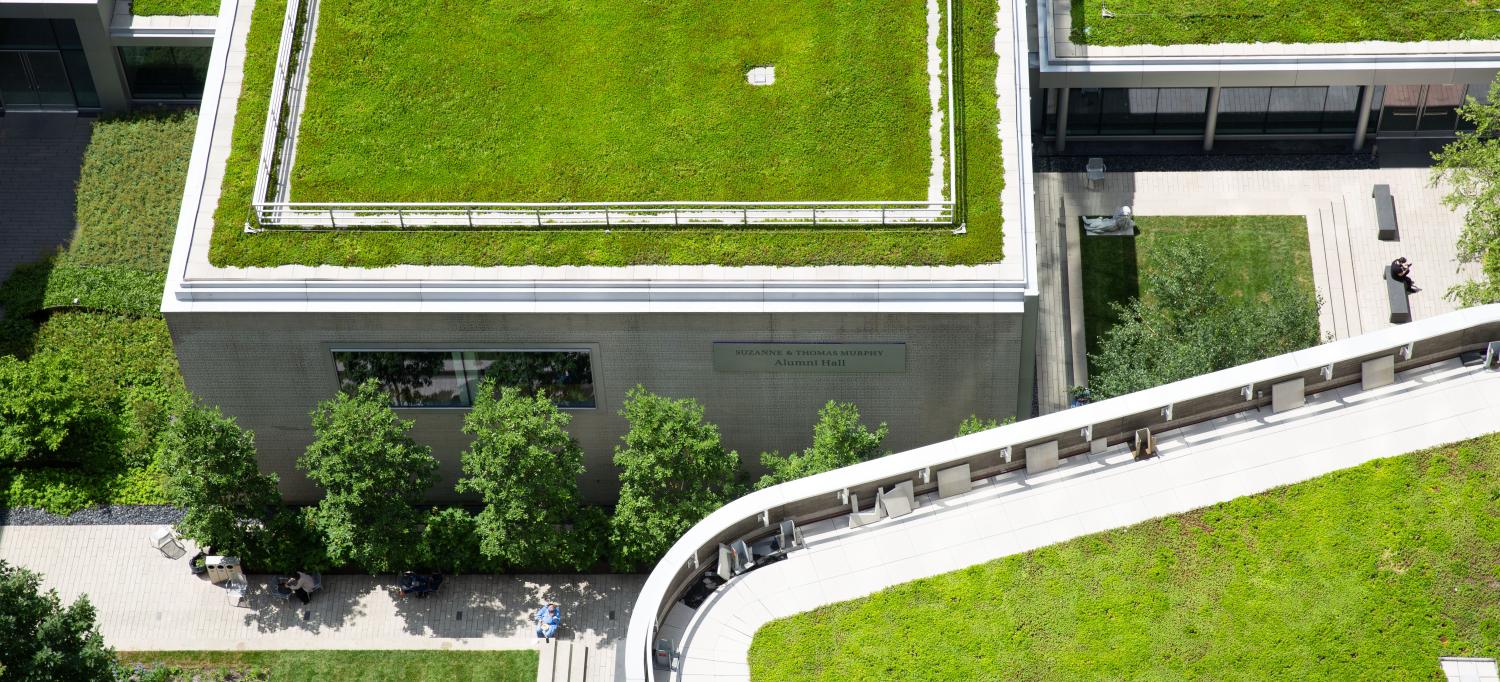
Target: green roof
(1194,22)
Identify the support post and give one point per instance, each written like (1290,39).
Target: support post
(1062,120)
(1366,97)
(1211,126)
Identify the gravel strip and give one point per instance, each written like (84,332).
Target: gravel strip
(108,515)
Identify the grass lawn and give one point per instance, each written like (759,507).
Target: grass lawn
(1264,249)
(127,197)
(1182,22)
(363,666)
(614,101)
(148,8)
(1370,573)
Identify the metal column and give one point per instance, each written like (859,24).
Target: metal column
(1366,96)
(1062,119)
(1212,124)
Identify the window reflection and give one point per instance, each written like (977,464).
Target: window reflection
(450,378)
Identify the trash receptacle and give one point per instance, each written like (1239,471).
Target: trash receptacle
(222,568)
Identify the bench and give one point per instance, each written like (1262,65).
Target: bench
(1395,293)
(1385,212)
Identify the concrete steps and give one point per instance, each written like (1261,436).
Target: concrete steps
(564,662)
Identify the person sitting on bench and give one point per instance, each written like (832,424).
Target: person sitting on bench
(1401,272)
(547,620)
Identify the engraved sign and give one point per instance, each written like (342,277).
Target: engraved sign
(809,358)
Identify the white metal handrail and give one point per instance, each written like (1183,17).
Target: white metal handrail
(1414,344)
(277,102)
(522,215)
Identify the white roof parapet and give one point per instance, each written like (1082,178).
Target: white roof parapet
(659,587)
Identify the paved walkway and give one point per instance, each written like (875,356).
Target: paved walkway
(147,602)
(1199,465)
(1347,258)
(40,156)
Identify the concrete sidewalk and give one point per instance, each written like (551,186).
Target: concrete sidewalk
(148,602)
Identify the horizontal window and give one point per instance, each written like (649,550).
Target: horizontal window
(450,378)
(165,73)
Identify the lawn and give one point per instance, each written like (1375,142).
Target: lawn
(96,306)
(1182,22)
(361,666)
(618,101)
(147,8)
(1261,249)
(1370,573)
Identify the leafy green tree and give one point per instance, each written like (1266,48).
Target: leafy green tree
(41,403)
(373,474)
(1187,327)
(525,467)
(450,542)
(673,472)
(1470,168)
(973,424)
(44,640)
(211,472)
(839,440)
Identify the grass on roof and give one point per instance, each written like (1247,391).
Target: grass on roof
(1370,573)
(1192,22)
(147,8)
(1256,251)
(353,666)
(594,102)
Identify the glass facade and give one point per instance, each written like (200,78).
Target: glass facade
(165,73)
(450,378)
(1288,111)
(1135,111)
(42,66)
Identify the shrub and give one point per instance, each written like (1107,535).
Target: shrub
(973,424)
(839,440)
(45,640)
(451,542)
(373,474)
(41,404)
(525,466)
(673,472)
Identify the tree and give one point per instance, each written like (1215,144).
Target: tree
(41,403)
(839,440)
(525,467)
(673,472)
(373,474)
(45,640)
(1187,327)
(974,424)
(1470,166)
(211,472)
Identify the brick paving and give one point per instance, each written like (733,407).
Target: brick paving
(1347,259)
(40,156)
(147,602)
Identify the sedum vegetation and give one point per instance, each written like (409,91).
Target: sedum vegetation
(317,666)
(591,113)
(147,8)
(1186,22)
(1367,573)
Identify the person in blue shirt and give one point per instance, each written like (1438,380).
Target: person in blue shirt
(547,620)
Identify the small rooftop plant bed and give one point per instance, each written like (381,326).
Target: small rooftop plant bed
(616,102)
(1368,573)
(1197,22)
(177,8)
(369,666)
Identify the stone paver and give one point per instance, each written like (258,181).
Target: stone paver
(40,157)
(148,602)
(1199,465)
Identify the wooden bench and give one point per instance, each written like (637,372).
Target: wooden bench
(1385,212)
(1395,293)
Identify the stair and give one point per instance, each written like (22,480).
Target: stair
(563,662)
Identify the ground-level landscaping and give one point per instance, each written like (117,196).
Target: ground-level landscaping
(361,666)
(1181,276)
(578,109)
(85,328)
(1367,573)
(1179,22)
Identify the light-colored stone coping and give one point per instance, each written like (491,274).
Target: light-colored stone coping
(191,266)
(1063,48)
(126,25)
